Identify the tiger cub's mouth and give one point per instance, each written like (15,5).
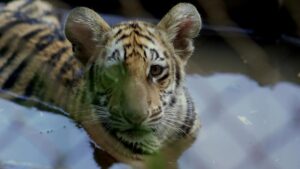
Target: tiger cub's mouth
(136,134)
(138,139)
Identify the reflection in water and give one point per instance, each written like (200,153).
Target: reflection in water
(244,126)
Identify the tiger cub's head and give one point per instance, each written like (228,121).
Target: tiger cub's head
(134,73)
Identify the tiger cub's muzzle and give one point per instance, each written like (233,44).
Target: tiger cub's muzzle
(134,104)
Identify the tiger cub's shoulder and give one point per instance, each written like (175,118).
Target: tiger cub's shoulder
(35,9)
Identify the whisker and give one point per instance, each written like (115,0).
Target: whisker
(175,121)
(173,126)
(170,127)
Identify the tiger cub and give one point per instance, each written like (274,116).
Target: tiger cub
(122,83)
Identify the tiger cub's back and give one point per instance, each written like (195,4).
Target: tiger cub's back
(33,49)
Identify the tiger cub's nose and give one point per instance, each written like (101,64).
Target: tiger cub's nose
(135,118)
(135,103)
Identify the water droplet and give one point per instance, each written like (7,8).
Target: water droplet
(244,120)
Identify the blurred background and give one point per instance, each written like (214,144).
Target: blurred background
(253,37)
(244,76)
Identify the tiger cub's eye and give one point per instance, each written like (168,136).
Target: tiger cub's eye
(156,70)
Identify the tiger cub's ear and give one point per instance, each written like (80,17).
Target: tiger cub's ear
(84,28)
(181,24)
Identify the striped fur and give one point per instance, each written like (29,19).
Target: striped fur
(31,44)
(124,84)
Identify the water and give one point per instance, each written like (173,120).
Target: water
(245,125)
(34,139)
